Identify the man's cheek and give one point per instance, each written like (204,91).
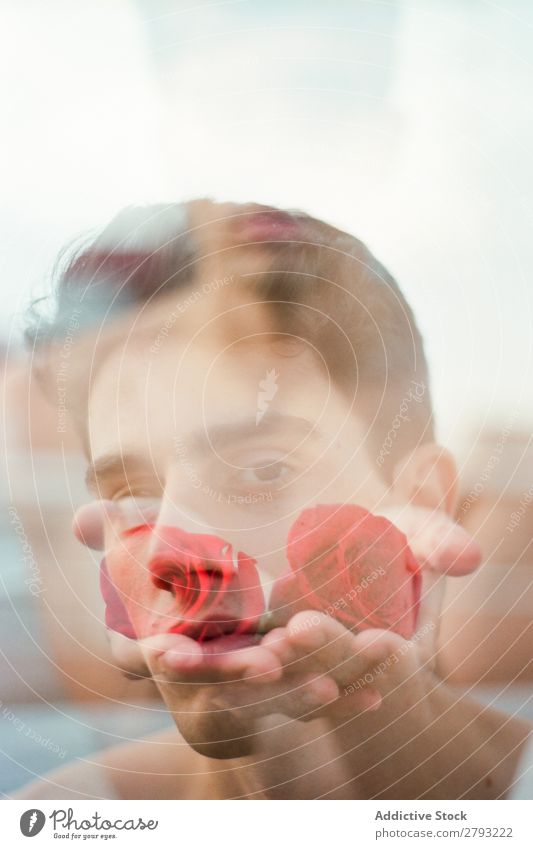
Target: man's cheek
(267,546)
(142,602)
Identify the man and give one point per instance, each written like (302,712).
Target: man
(237,365)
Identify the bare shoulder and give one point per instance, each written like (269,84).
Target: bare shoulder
(158,766)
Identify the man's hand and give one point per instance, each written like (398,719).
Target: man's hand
(314,667)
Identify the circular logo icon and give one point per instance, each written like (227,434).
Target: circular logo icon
(32,822)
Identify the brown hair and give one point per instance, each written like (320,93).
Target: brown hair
(324,286)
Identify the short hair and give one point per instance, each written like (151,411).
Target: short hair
(324,286)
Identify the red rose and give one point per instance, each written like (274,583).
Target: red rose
(214,592)
(353,565)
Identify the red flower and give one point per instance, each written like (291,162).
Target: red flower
(214,592)
(353,565)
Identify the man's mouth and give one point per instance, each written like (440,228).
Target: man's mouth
(229,642)
(217,635)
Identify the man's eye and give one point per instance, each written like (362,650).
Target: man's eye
(275,472)
(137,509)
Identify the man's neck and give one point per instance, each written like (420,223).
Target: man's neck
(292,760)
(445,748)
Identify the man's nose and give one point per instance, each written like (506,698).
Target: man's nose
(171,545)
(178,508)
(168,562)
(175,559)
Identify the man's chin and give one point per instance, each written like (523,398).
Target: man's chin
(220,734)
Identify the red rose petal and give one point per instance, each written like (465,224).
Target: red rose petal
(207,585)
(353,565)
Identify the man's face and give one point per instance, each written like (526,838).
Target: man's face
(202,419)
(232,435)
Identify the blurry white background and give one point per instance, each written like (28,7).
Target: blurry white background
(408,123)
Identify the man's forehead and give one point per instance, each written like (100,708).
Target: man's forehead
(203,374)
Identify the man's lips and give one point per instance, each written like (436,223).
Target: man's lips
(228,643)
(217,637)
(209,632)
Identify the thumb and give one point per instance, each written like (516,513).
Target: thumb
(438,543)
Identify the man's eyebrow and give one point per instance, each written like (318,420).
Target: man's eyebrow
(112,465)
(220,435)
(117,465)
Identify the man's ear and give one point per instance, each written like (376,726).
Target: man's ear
(427,477)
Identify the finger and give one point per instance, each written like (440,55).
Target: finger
(437,542)
(444,547)
(277,641)
(93,520)
(181,659)
(298,697)
(157,650)
(323,642)
(352,703)
(390,661)
(128,656)
(89,522)
(456,553)
(305,698)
